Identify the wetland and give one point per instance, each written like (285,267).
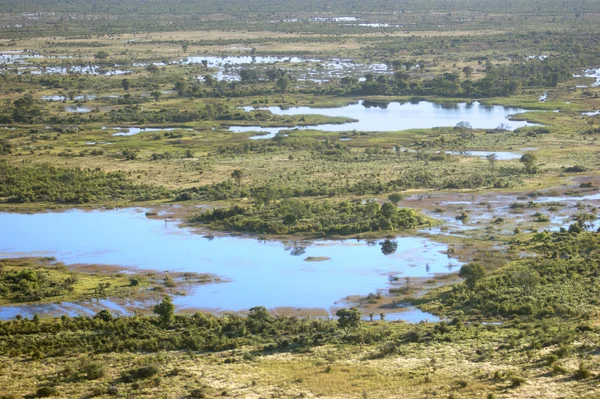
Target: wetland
(301,199)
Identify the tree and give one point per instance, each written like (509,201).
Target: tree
(263,196)
(26,109)
(293,210)
(401,75)
(100,55)
(284,83)
(104,315)
(165,311)
(463,126)
(585,220)
(388,210)
(492,158)
(468,71)
(237,175)
(274,73)
(125,84)
(152,68)
(348,81)
(156,94)
(348,319)
(184,47)
(181,87)
(528,160)
(472,273)
(258,319)
(259,313)
(209,80)
(525,278)
(395,198)
(249,75)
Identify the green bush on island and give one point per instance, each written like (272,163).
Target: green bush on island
(294,216)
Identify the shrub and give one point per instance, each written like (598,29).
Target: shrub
(197,393)
(45,392)
(517,381)
(143,372)
(582,372)
(574,169)
(92,370)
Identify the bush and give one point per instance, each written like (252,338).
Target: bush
(143,372)
(47,391)
(517,381)
(582,372)
(204,392)
(575,169)
(92,370)
(198,393)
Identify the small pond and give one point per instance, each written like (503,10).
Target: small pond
(500,155)
(131,131)
(78,109)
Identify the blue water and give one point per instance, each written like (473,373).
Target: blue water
(398,116)
(500,155)
(131,131)
(410,315)
(265,273)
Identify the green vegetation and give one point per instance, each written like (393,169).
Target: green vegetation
(523,323)
(249,350)
(562,280)
(298,216)
(43,280)
(74,186)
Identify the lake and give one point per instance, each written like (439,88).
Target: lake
(273,274)
(398,116)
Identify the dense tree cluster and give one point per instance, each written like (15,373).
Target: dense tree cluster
(298,216)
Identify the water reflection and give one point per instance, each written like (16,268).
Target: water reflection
(388,247)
